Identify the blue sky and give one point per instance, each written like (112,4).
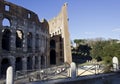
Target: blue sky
(87,18)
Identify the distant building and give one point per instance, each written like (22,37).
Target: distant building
(27,44)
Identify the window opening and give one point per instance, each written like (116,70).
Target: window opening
(7,8)
(6,22)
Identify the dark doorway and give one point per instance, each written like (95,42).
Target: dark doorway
(52,57)
(42,62)
(29,42)
(36,62)
(4,65)
(6,39)
(37,42)
(18,64)
(29,63)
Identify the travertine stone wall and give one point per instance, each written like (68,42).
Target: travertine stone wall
(26,21)
(59,26)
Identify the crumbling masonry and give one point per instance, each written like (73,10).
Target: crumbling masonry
(27,44)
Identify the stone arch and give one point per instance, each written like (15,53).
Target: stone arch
(6,22)
(19,38)
(29,41)
(6,38)
(52,57)
(52,44)
(29,63)
(5,63)
(18,64)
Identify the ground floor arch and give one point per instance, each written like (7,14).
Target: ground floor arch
(52,57)
(29,63)
(36,62)
(6,37)
(5,63)
(18,64)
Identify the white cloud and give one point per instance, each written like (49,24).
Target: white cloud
(116,30)
(89,33)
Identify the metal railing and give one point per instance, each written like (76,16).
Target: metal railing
(55,72)
(90,69)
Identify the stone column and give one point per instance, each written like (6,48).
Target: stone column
(33,38)
(25,42)
(12,61)
(13,34)
(13,41)
(9,76)
(1,32)
(0,67)
(39,44)
(24,63)
(73,70)
(39,62)
(25,36)
(45,62)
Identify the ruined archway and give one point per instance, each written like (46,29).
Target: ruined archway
(29,63)
(52,44)
(4,65)
(19,39)
(18,64)
(52,57)
(6,37)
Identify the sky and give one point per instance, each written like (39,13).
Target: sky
(88,19)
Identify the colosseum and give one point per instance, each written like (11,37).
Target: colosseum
(26,43)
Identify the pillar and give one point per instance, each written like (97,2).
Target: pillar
(73,70)
(33,62)
(12,61)
(1,32)
(13,34)
(25,42)
(25,36)
(24,63)
(39,62)
(9,76)
(0,66)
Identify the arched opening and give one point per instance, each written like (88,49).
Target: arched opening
(42,62)
(52,57)
(37,42)
(29,42)
(18,64)
(36,62)
(52,44)
(6,22)
(19,39)
(6,39)
(29,63)
(4,65)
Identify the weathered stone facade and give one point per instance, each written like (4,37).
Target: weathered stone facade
(60,40)
(25,41)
